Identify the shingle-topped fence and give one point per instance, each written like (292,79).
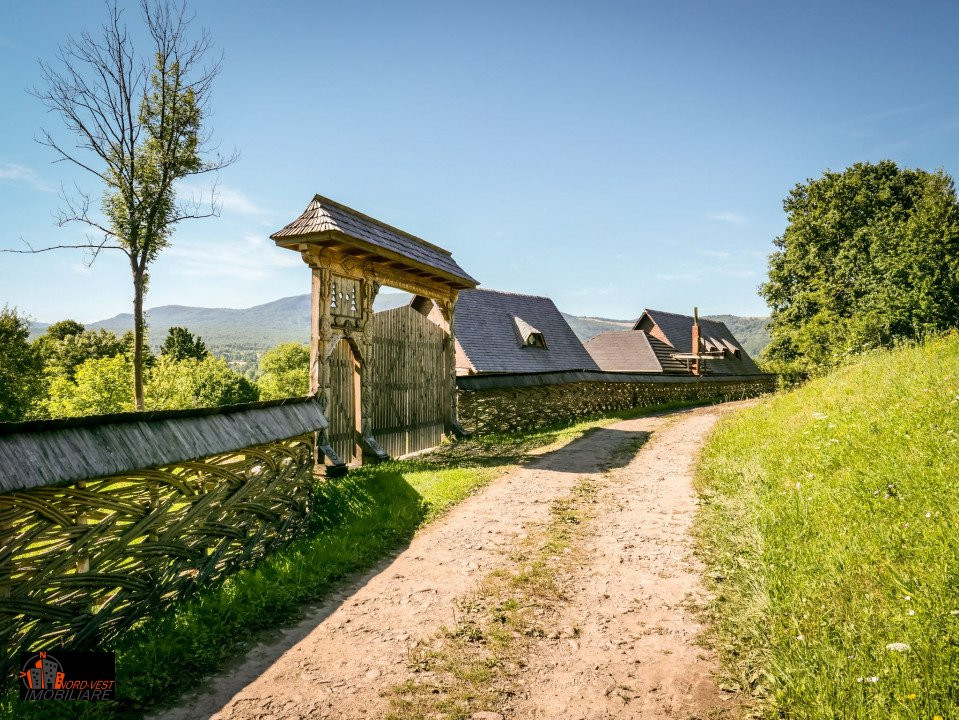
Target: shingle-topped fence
(81,560)
(522,401)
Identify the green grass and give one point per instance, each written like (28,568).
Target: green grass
(829,525)
(363,518)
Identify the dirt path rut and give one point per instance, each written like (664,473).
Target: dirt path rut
(635,654)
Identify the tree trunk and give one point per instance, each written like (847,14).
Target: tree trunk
(138,338)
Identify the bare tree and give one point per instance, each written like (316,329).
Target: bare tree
(137,127)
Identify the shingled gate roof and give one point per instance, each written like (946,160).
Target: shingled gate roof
(487,332)
(328,217)
(678,331)
(624,351)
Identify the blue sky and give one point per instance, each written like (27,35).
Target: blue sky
(610,155)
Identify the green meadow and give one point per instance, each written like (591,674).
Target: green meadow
(829,525)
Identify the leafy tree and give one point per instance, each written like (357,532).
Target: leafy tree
(285,371)
(196,383)
(99,386)
(181,344)
(870,256)
(64,350)
(138,126)
(64,328)
(21,367)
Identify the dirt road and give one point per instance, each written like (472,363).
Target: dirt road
(634,654)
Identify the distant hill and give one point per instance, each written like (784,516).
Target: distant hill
(241,335)
(587,327)
(752,332)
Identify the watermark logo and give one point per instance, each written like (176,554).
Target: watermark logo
(66,675)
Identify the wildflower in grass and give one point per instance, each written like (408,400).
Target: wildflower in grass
(911,613)
(898,647)
(929,515)
(907,598)
(911,696)
(819,415)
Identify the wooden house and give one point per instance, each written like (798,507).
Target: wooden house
(502,332)
(672,344)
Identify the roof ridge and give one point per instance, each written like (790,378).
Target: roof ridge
(346,208)
(508,292)
(612,332)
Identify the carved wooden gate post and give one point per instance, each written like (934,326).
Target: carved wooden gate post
(351,255)
(447,309)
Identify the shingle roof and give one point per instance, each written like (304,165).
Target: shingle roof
(624,351)
(323,215)
(485,328)
(678,330)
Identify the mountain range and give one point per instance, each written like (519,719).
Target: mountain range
(240,335)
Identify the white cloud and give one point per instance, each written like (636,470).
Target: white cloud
(251,257)
(230,200)
(12,172)
(727,216)
(235,201)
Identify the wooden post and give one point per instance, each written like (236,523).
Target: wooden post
(448,309)
(321,332)
(695,342)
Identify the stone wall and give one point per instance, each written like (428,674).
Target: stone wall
(521,402)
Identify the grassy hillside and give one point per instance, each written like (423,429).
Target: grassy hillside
(830,523)
(587,327)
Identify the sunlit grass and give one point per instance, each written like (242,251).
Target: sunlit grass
(829,523)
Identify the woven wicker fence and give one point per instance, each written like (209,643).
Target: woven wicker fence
(523,402)
(82,562)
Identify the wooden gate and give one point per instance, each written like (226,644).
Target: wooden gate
(344,410)
(410,388)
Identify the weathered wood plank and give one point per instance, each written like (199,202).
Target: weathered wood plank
(54,452)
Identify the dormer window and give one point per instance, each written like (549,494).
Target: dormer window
(536,339)
(529,336)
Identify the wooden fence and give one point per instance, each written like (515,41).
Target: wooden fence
(82,562)
(504,403)
(410,383)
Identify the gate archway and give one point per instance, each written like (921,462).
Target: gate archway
(351,255)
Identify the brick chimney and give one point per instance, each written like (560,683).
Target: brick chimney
(695,344)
